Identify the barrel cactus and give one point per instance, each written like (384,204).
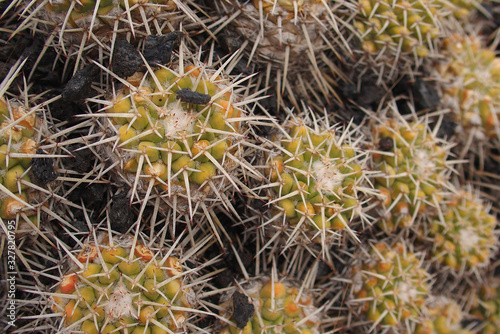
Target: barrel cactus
(317,181)
(179,133)
(463,236)
(389,286)
(469,77)
(288,39)
(122,285)
(486,305)
(22,132)
(412,170)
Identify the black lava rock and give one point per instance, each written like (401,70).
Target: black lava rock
(81,161)
(447,129)
(189,96)
(242,309)
(79,86)
(93,194)
(158,49)
(126,59)
(120,213)
(425,95)
(43,168)
(386,144)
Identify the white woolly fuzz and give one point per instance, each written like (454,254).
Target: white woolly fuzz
(328,176)
(120,303)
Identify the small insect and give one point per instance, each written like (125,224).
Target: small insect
(189,96)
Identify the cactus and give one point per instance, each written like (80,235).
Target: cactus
(289,39)
(412,167)
(470,77)
(123,286)
(389,287)
(409,26)
(441,316)
(317,181)
(21,133)
(463,236)
(179,133)
(271,306)
(486,306)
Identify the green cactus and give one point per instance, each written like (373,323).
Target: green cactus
(123,287)
(317,180)
(470,77)
(412,167)
(463,236)
(407,26)
(486,306)
(279,306)
(389,287)
(18,144)
(441,316)
(179,133)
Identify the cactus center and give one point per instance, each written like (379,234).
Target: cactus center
(120,303)
(327,176)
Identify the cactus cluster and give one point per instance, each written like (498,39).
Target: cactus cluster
(277,306)
(123,287)
(412,167)
(389,286)
(190,197)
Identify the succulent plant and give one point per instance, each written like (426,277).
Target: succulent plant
(317,181)
(179,133)
(121,285)
(441,315)
(288,39)
(412,170)
(469,75)
(22,130)
(486,306)
(463,236)
(267,305)
(389,286)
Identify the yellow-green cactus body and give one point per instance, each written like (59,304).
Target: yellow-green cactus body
(317,180)
(113,289)
(18,129)
(463,9)
(76,18)
(471,84)
(441,316)
(389,286)
(411,167)
(465,238)
(186,149)
(407,26)
(279,307)
(486,306)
